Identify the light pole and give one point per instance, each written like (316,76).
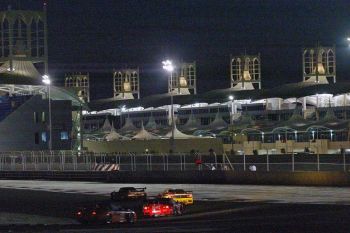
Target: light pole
(46,80)
(168,66)
(231,121)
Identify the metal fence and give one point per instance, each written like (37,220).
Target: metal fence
(84,161)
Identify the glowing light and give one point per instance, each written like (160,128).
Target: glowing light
(168,66)
(230,97)
(46,79)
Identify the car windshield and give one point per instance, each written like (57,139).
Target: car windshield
(127,189)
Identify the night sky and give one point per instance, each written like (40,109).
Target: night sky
(99,35)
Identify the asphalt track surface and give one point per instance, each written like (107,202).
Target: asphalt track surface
(247,208)
(203,192)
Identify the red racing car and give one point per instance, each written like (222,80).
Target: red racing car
(162,207)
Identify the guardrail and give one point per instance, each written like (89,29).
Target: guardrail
(85,161)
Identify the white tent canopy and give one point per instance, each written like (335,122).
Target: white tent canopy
(191,123)
(178,134)
(151,124)
(128,126)
(106,127)
(144,135)
(113,135)
(218,122)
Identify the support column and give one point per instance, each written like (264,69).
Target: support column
(304,107)
(11,44)
(45,40)
(2,40)
(29,39)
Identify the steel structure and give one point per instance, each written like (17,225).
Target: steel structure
(245,71)
(319,64)
(184,81)
(23,37)
(23,49)
(79,83)
(126,84)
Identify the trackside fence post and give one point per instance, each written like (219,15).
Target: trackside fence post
(184,162)
(180,155)
(244,164)
(267,163)
(229,162)
(216,159)
(344,161)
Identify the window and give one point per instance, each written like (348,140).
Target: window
(36,119)
(43,136)
(64,135)
(36,138)
(43,119)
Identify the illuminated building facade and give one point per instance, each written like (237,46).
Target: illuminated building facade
(126,84)
(319,65)
(79,83)
(184,80)
(245,72)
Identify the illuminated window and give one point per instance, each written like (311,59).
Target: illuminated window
(64,135)
(43,136)
(43,117)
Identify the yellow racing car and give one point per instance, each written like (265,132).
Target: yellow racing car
(178,195)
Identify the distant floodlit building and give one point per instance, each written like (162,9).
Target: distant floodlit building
(319,64)
(126,84)
(33,116)
(23,46)
(245,72)
(184,81)
(79,83)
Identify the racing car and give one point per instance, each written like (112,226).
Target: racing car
(105,213)
(178,195)
(162,207)
(126,193)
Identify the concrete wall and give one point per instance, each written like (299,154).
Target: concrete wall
(229,177)
(194,177)
(17,130)
(203,145)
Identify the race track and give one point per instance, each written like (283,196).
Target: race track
(250,193)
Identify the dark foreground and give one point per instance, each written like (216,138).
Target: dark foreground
(203,217)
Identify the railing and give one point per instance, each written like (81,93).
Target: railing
(84,161)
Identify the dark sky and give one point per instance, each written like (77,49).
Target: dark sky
(99,35)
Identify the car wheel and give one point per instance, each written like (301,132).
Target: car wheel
(131,218)
(109,220)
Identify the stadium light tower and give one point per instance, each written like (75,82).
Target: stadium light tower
(46,80)
(231,112)
(169,67)
(231,98)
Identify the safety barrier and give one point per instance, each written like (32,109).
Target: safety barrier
(85,161)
